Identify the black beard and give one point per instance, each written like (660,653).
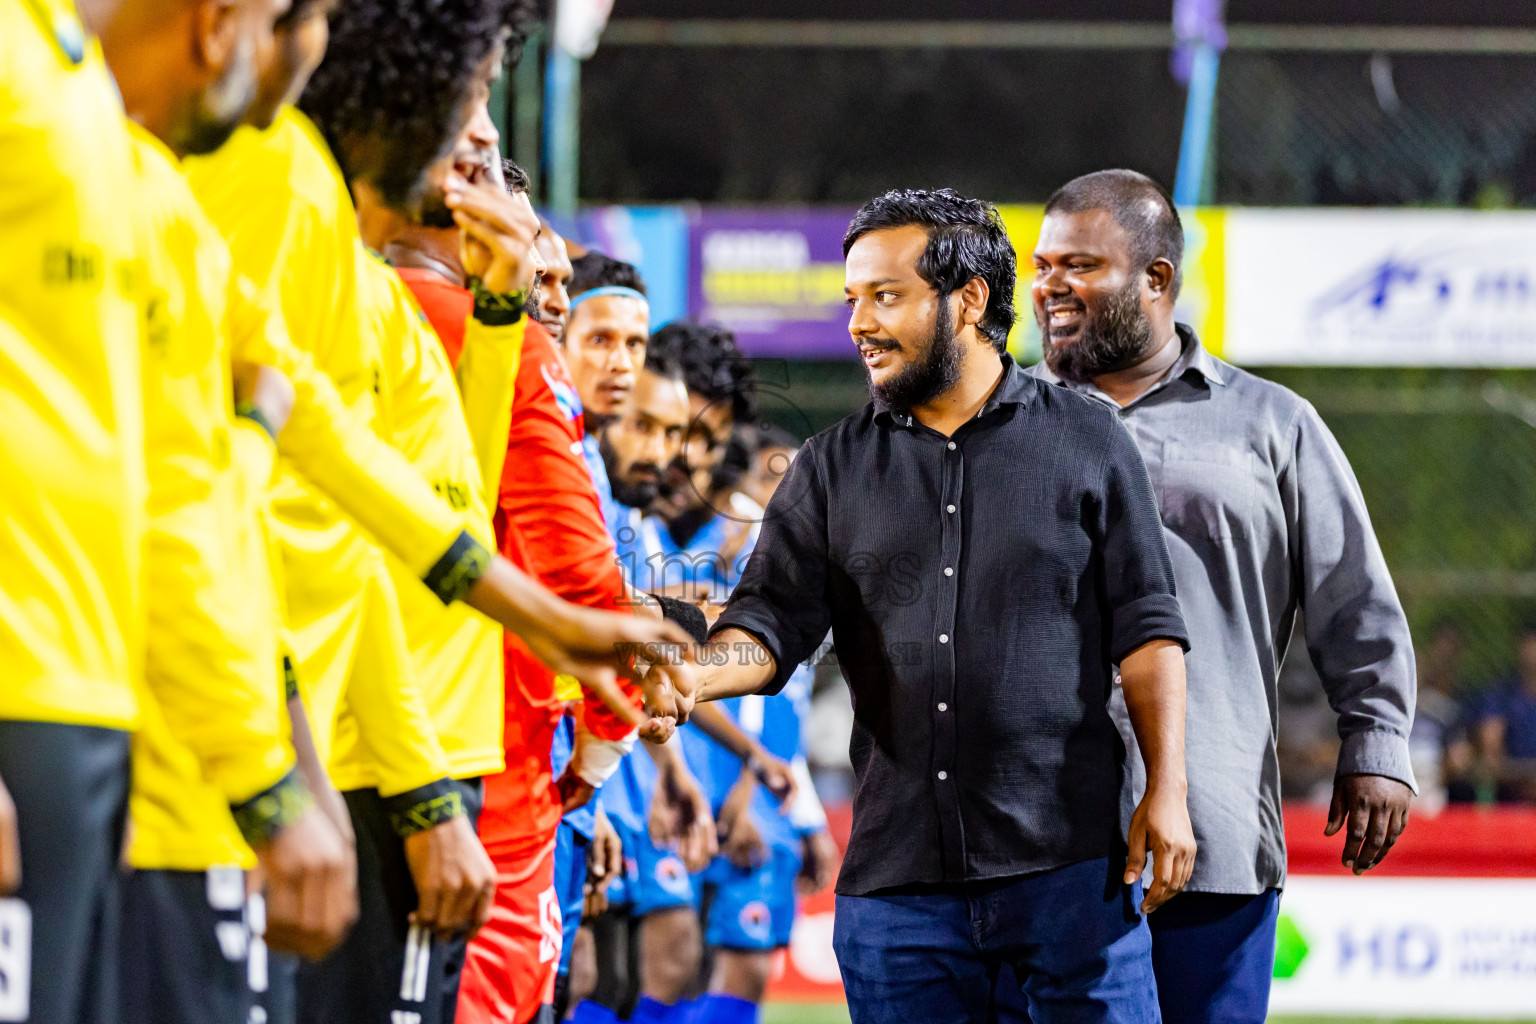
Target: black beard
(625,493)
(1116,335)
(930,375)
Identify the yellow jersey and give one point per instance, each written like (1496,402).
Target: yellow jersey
(71,430)
(215,732)
(457,651)
(282,205)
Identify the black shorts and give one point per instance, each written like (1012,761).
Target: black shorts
(70,787)
(187,948)
(386,971)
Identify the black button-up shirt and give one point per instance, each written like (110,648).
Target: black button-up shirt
(979,589)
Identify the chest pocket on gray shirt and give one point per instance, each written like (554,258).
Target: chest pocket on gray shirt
(1207,490)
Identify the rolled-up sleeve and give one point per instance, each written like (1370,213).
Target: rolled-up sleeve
(1356,631)
(781,599)
(1138,587)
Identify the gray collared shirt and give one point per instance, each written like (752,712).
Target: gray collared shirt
(1263,516)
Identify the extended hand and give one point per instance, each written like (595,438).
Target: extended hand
(598,646)
(1161,827)
(1376,808)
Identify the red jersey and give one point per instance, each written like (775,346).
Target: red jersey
(549,523)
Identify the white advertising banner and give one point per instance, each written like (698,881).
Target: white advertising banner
(1455,948)
(1380,288)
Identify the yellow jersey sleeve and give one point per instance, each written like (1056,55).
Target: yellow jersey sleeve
(338,454)
(71,446)
(280,202)
(457,652)
(210,664)
(487,375)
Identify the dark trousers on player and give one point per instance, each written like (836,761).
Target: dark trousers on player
(70,787)
(1073,935)
(386,971)
(187,948)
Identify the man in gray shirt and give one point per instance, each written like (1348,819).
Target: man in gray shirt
(1263,518)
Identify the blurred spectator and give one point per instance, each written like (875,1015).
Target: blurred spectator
(1439,745)
(1506,728)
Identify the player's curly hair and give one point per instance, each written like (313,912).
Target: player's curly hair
(389,95)
(712,364)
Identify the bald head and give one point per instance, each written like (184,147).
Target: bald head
(1138,205)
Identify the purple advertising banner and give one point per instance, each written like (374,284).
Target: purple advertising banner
(775,277)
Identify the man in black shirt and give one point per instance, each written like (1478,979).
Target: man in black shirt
(986,549)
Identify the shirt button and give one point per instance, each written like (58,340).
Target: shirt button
(943,638)
(948,571)
(951,446)
(950,509)
(943,706)
(943,776)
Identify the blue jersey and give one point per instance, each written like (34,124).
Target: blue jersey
(775,723)
(700,565)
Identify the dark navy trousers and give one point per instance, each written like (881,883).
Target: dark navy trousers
(1072,935)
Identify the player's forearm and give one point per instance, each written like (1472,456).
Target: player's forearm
(1152,678)
(717,725)
(516,600)
(728,669)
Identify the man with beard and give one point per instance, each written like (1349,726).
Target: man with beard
(986,550)
(1263,517)
(707,527)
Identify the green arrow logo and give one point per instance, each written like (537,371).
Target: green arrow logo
(1290,947)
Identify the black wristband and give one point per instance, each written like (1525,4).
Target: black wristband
(462,564)
(245,410)
(684,614)
(495,309)
(290,678)
(267,813)
(424,807)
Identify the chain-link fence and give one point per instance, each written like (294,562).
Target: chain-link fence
(1298,129)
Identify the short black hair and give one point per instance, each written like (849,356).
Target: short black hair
(713,367)
(596,270)
(396,76)
(1139,205)
(517,178)
(663,364)
(966,239)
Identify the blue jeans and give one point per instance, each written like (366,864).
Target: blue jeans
(1073,935)
(1213,955)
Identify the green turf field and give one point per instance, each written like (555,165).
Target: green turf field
(812,1013)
